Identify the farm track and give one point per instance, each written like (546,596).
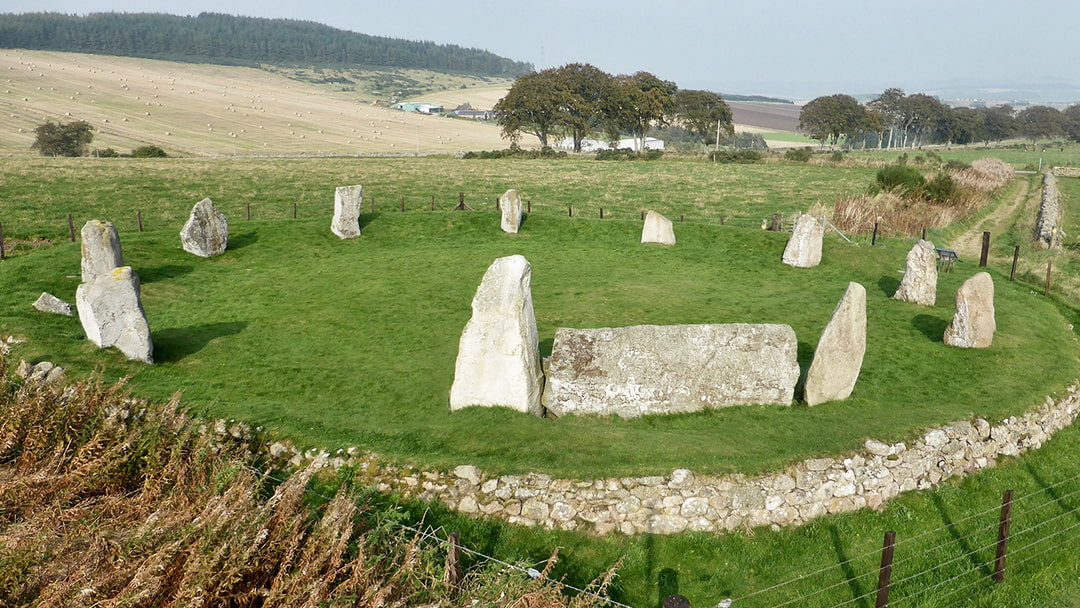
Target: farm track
(1000,220)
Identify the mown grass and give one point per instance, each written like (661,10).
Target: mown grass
(353,342)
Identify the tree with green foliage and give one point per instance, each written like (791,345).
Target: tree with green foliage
(963,126)
(587,87)
(703,113)
(831,117)
(888,107)
(63,139)
(998,123)
(637,103)
(1040,122)
(536,104)
(1071,118)
(921,115)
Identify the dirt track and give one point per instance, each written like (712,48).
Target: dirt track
(969,244)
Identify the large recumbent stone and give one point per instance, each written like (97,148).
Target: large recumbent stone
(662,369)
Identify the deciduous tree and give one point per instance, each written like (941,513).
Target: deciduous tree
(638,103)
(536,104)
(831,117)
(703,113)
(63,139)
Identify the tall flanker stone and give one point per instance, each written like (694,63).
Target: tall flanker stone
(206,233)
(346,222)
(803,249)
(839,355)
(100,250)
(498,362)
(919,284)
(657,229)
(111,314)
(973,323)
(510,205)
(660,369)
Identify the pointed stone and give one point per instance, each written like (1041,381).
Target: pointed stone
(919,284)
(346,222)
(510,205)
(657,229)
(206,233)
(498,362)
(839,354)
(973,324)
(47,302)
(803,249)
(100,250)
(111,314)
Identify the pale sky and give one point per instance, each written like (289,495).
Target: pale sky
(790,48)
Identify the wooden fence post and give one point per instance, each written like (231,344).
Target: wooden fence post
(71,229)
(924,234)
(873,239)
(373,204)
(529,203)
(570,211)
(682,218)
(601,213)
(1,241)
(138,216)
(885,574)
(643,216)
(1049,270)
(403,204)
(1016,258)
(294,211)
(248,210)
(453,572)
(985,250)
(1003,536)
(432,203)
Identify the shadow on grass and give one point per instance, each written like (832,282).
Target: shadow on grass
(962,541)
(242,240)
(172,345)
(367,218)
(888,285)
(1053,491)
(860,596)
(546,346)
(931,327)
(163,273)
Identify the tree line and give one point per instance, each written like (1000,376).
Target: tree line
(897,120)
(576,100)
(226,39)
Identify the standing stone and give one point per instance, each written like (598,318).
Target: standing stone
(919,284)
(100,250)
(498,362)
(803,249)
(510,205)
(206,232)
(663,369)
(347,200)
(657,229)
(47,302)
(973,324)
(111,314)
(839,354)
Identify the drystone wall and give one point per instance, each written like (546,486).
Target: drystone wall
(684,501)
(1066,171)
(1047,231)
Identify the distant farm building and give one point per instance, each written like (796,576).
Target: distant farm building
(595,145)
(422,107)
(467,111)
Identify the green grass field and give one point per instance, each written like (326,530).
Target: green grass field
(352,343)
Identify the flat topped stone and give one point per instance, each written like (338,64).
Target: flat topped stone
(803,249)
(657,229)
(660,369)
(100,249)
(498,362)
(111,314)
(839,354)
(47,302)
(919,284)
(973,323)
(347,201)
(206,232)
(510,206)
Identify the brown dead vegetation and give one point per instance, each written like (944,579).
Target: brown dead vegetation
(110,501)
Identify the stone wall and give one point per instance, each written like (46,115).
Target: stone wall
(683,500)
(1066,171)
(1047,231)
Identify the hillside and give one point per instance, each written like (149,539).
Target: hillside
(225,39)
(210,110)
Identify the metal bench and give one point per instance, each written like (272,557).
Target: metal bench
(946,258)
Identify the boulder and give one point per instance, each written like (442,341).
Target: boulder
(346,222)
(657,229)
(973,324)
(803,249)
(111,314)
(510,205)
(498,362)
(839,354)
(206,233)
(919,284)
(47,302)
(659,369)
(100,250)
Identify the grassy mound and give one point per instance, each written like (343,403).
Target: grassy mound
(341,343)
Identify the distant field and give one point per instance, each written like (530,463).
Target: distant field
(204,110)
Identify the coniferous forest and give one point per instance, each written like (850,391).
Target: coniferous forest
(231,40)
